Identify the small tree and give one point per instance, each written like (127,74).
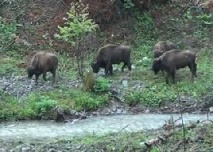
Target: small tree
(77,26)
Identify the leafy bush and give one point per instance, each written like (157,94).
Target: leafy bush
(128,4)
(89,102)
(41,104)
(77,26)
(7,33)
(101,85)
(150,96)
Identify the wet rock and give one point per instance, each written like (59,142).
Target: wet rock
(60,117)
(3,150)
(124,83)
(114,109)
(133,67)
(73,112)
(106,112)
(119,111)
(52,150)
(211,109)
(147,111)
(26,149)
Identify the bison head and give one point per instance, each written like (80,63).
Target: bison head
(95,67)
(30,71)
(157,53)
(156,66)
(158,50)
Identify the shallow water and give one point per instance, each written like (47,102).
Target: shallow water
(94,125)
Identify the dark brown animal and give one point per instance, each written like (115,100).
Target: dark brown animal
(41,63)
(112,54)
(173,60)
(162,47)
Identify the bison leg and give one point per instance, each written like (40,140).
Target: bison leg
(193,69)
(173,77)
(167,78)
(109,69)
(36,79)
(129,65)
(122,69)
(44,76)
(54,74)
(162,72)
(172,74)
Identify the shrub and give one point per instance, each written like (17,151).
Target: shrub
(7,33)
(101,85)
(77,26)
(87,101)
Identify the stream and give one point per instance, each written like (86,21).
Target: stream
(29,130)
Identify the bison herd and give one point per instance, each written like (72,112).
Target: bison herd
(167,57)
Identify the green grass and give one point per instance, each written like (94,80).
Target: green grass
(112,142)
(42,104)
(9,65)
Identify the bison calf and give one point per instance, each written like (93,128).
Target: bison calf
(112,54)
(174,60)
(41,63)
(162,47)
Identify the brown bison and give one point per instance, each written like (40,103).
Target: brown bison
(41,63)
(162,47)
(173,60)
(112,54)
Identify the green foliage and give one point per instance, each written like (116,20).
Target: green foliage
(110,141)
(41,104)
(88,101)
(8,108)
(128,4)
(7,33)
(150,96)
(9,65)
(202,18)
(101,85)
(78,23)
(206,19)
(77,26)
(155,149)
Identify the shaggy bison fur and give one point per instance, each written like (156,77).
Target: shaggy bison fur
(173,60)
(112,54)
(162,47)
(41,63)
